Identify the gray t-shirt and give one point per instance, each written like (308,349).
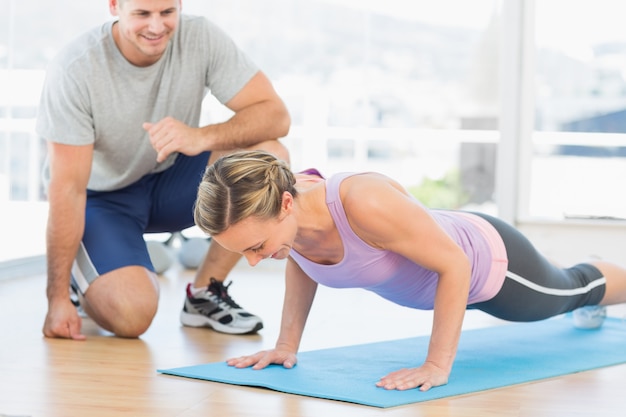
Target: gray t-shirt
(93,95)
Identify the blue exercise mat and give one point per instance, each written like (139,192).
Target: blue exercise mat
(487,358)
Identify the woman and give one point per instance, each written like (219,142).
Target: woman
(364,230)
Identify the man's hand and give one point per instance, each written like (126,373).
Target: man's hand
(63,321)
(169,135)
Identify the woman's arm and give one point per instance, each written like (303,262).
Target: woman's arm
(384,215)
(299,294)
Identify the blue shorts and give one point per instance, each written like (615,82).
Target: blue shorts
(115,221)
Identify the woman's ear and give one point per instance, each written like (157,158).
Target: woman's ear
(286,205)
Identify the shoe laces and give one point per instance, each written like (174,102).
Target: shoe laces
(221,291)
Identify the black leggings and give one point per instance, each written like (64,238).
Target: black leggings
(534,289)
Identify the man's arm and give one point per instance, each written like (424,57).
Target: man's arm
(70,167)
(260,115)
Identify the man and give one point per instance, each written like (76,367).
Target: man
(120,110)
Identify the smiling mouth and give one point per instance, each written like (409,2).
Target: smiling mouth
(153,38)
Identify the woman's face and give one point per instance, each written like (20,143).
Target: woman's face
(258,239)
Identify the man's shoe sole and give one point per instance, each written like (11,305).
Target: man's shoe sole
(196,320)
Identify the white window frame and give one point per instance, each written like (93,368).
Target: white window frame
(557,239)
(517,52)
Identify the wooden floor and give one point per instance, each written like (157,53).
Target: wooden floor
(107,376)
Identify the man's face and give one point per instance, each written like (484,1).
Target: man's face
(144,28)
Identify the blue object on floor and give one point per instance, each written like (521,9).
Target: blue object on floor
(487,358)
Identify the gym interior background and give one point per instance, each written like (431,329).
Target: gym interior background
(482,105)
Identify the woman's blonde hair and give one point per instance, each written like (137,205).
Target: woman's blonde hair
(241,185)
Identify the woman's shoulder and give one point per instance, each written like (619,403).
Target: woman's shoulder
(369,191)
(368,182)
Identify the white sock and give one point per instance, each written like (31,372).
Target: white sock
(197,291)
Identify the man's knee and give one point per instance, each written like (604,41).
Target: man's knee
(276,148)
(280,151)
(132,321)
(123,318)
(122,303)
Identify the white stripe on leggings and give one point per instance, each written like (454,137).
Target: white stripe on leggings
(556,291)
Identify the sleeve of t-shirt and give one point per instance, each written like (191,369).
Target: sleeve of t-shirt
(64,113)
(229,69)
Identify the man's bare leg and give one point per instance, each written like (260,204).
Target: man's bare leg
(123,301)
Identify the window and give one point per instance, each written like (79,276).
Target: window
(31,32)
(579,153)
(405,88)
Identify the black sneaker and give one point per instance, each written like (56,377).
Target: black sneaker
(215,309)
(75,299)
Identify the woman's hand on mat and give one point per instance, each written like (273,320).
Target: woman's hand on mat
(264,358)
(63,321)
(425,377)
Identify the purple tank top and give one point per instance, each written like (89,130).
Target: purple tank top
(393,276)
